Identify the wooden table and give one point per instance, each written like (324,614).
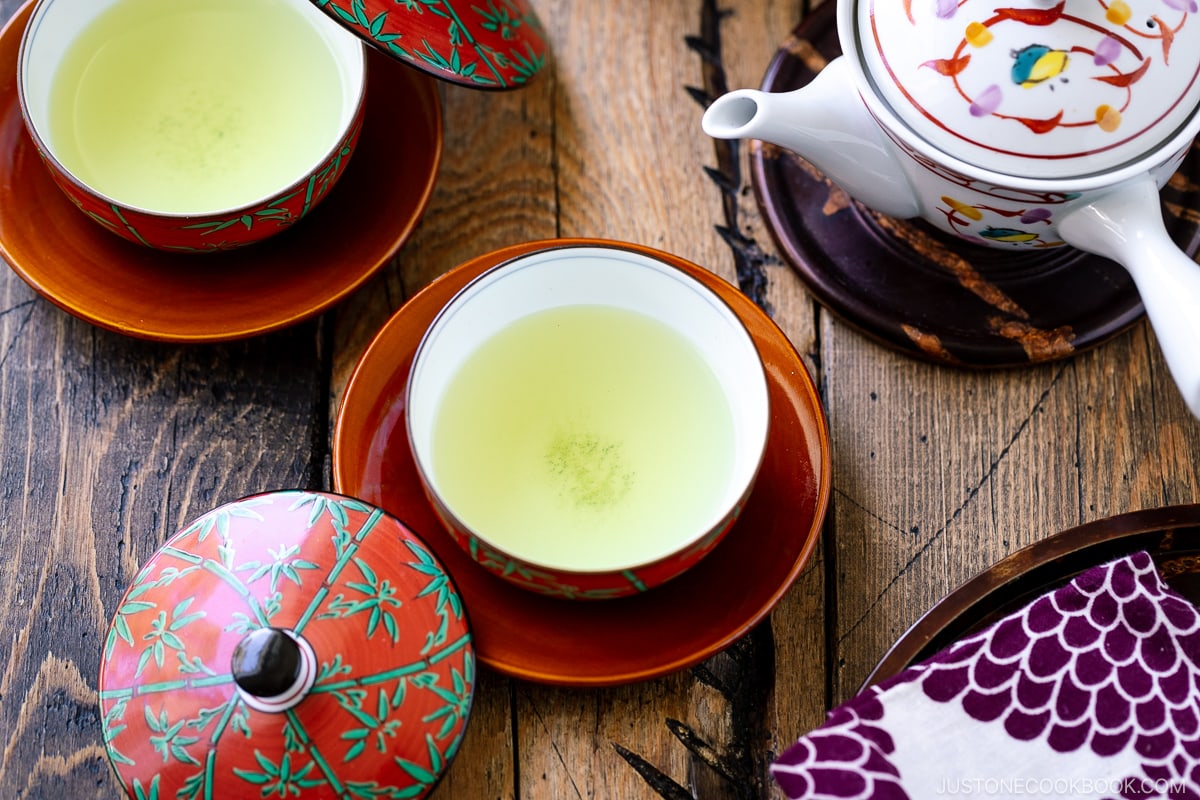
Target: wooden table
(108,444)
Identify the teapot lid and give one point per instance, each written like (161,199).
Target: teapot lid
(297,644)
(1035,88)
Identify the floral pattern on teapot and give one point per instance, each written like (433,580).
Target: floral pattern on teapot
(986,213)
(1038,80)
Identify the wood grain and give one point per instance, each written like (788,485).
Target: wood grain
(108,444)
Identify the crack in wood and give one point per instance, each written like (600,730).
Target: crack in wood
(21,305)
(28,305)
(970,498)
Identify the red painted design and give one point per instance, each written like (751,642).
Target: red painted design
(1030,16)
(1125,80)
(949,66)
(394,659)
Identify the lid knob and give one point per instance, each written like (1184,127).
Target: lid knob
(273,669)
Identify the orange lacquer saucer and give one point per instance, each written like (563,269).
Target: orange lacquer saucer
(605,642)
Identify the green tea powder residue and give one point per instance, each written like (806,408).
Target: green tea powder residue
(589,471)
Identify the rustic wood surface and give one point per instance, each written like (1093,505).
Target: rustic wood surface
(109,444)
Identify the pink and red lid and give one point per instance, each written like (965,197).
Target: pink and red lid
(1035,88)
(298,644)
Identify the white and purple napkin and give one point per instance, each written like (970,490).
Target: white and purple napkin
(1091,691)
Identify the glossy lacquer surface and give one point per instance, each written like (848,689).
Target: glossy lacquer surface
(549,639)
(290,643)
(109,444)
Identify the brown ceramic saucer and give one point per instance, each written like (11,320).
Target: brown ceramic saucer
(922,292)
(150,294)
(601,642)
(1170,535)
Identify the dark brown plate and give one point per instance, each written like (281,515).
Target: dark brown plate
(1170,535)
(923,292)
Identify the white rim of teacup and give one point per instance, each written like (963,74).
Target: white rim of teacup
(348,50)
(852,46)
(750,430)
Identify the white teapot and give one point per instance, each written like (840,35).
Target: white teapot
(1027,124)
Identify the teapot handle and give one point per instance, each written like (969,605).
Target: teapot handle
(1126,226)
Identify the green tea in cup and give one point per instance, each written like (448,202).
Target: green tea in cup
(191,125)
(585,437)
(587,421)
(180,106)
(190,107)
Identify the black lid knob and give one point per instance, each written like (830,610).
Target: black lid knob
(266,663)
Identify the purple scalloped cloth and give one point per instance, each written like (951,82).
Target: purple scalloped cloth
(1090,691)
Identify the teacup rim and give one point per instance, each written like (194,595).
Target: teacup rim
(353,118)
(721,512)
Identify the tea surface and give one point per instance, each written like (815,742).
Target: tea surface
(192,107)
(584,437)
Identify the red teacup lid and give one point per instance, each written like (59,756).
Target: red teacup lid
(292,644)
(485,45)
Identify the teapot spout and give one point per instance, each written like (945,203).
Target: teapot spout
(827,124)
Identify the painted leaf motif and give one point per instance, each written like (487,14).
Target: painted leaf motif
(987,101)
(948,66)
(1043,125)
(1032,16)
(946,9)
(1107,51)
(1125,80)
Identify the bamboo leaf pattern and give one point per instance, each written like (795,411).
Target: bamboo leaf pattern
(380,596)
(219,520)
(206,716)
(505,566)
(378,729)
(193,787)
(111,730)
(280,778)
(285,564)
(461,51)
(528,64)
(292,742)
(167,742)
(448,600)
(164,633)
(424,776)
(332,669)
(457,699)
(336,510)
(401,750)
(193,666)
(370,791)
(240,720)
(145,792)
(360,14)
(121,624)
(499,20)
(436,637)
(352,700)
(102,220)
(242,623)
